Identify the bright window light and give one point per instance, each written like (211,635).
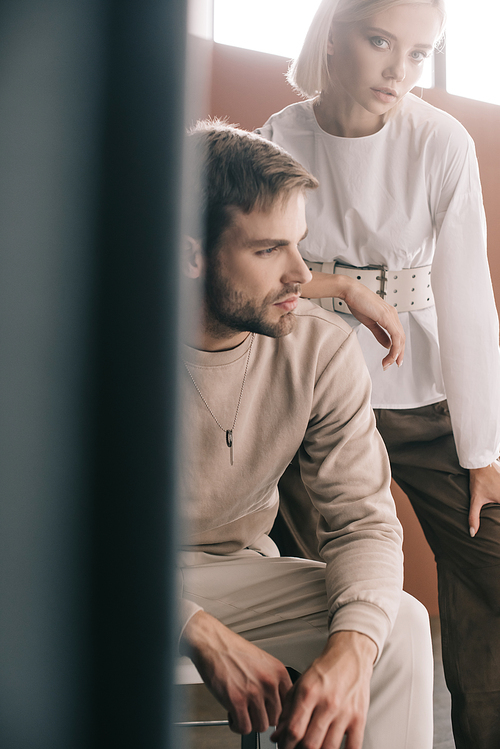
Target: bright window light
(427,77)
(472,50)
(277,27)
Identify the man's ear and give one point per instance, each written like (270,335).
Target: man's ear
(193,262)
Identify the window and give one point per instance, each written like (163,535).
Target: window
(273,26)
(472,50)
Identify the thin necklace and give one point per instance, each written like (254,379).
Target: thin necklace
(228,432)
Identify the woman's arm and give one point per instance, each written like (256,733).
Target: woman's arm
(369,308)
(468,329)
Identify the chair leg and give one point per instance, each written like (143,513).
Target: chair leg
(249,741)
(258,740)
(265,739)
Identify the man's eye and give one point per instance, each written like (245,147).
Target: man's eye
(269,251)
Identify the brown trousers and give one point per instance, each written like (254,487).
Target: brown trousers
(425,465)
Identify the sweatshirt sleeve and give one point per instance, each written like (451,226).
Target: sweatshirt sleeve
(465,306)
(346,471)
(185,608)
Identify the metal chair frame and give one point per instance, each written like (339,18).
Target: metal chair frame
(250,741)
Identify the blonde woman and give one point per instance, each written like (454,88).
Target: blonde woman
(399,206)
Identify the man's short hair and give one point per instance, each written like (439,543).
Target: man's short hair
(241,170)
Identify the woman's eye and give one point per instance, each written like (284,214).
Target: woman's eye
(419,56)
(379,42)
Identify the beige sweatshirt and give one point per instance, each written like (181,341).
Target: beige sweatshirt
(308,391)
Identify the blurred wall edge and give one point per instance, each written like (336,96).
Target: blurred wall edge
(91,132)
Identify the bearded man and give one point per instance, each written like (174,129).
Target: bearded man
(267,376)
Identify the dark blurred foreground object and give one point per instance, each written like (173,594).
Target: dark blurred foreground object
(91,121)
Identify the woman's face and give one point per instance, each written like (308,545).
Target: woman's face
(375,62)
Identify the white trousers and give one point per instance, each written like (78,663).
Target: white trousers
(279,604)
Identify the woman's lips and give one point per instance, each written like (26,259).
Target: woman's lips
(385,95)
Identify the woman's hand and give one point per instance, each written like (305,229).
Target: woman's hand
(367,307)
(484,490)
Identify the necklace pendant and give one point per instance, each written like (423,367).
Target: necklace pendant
(230,443)
(229,432)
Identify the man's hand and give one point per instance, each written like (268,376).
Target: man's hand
(331,698)
(369,308)
(248,682)
(484,490)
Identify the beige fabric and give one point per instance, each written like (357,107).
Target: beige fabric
(279,604)
(308,391)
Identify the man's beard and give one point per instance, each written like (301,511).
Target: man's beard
(229,311)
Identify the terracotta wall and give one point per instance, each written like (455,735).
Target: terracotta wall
(247,87)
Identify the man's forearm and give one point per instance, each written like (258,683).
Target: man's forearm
(347,642)
(201,632)
(248,682)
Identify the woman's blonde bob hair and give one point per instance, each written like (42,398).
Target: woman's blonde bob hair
(308,74)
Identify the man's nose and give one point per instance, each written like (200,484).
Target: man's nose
(296,270)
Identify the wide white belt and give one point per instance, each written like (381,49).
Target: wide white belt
(408,289)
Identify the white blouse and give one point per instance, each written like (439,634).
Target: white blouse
(407,196)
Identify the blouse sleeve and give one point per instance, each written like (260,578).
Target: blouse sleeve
(266,131)
(466,311)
